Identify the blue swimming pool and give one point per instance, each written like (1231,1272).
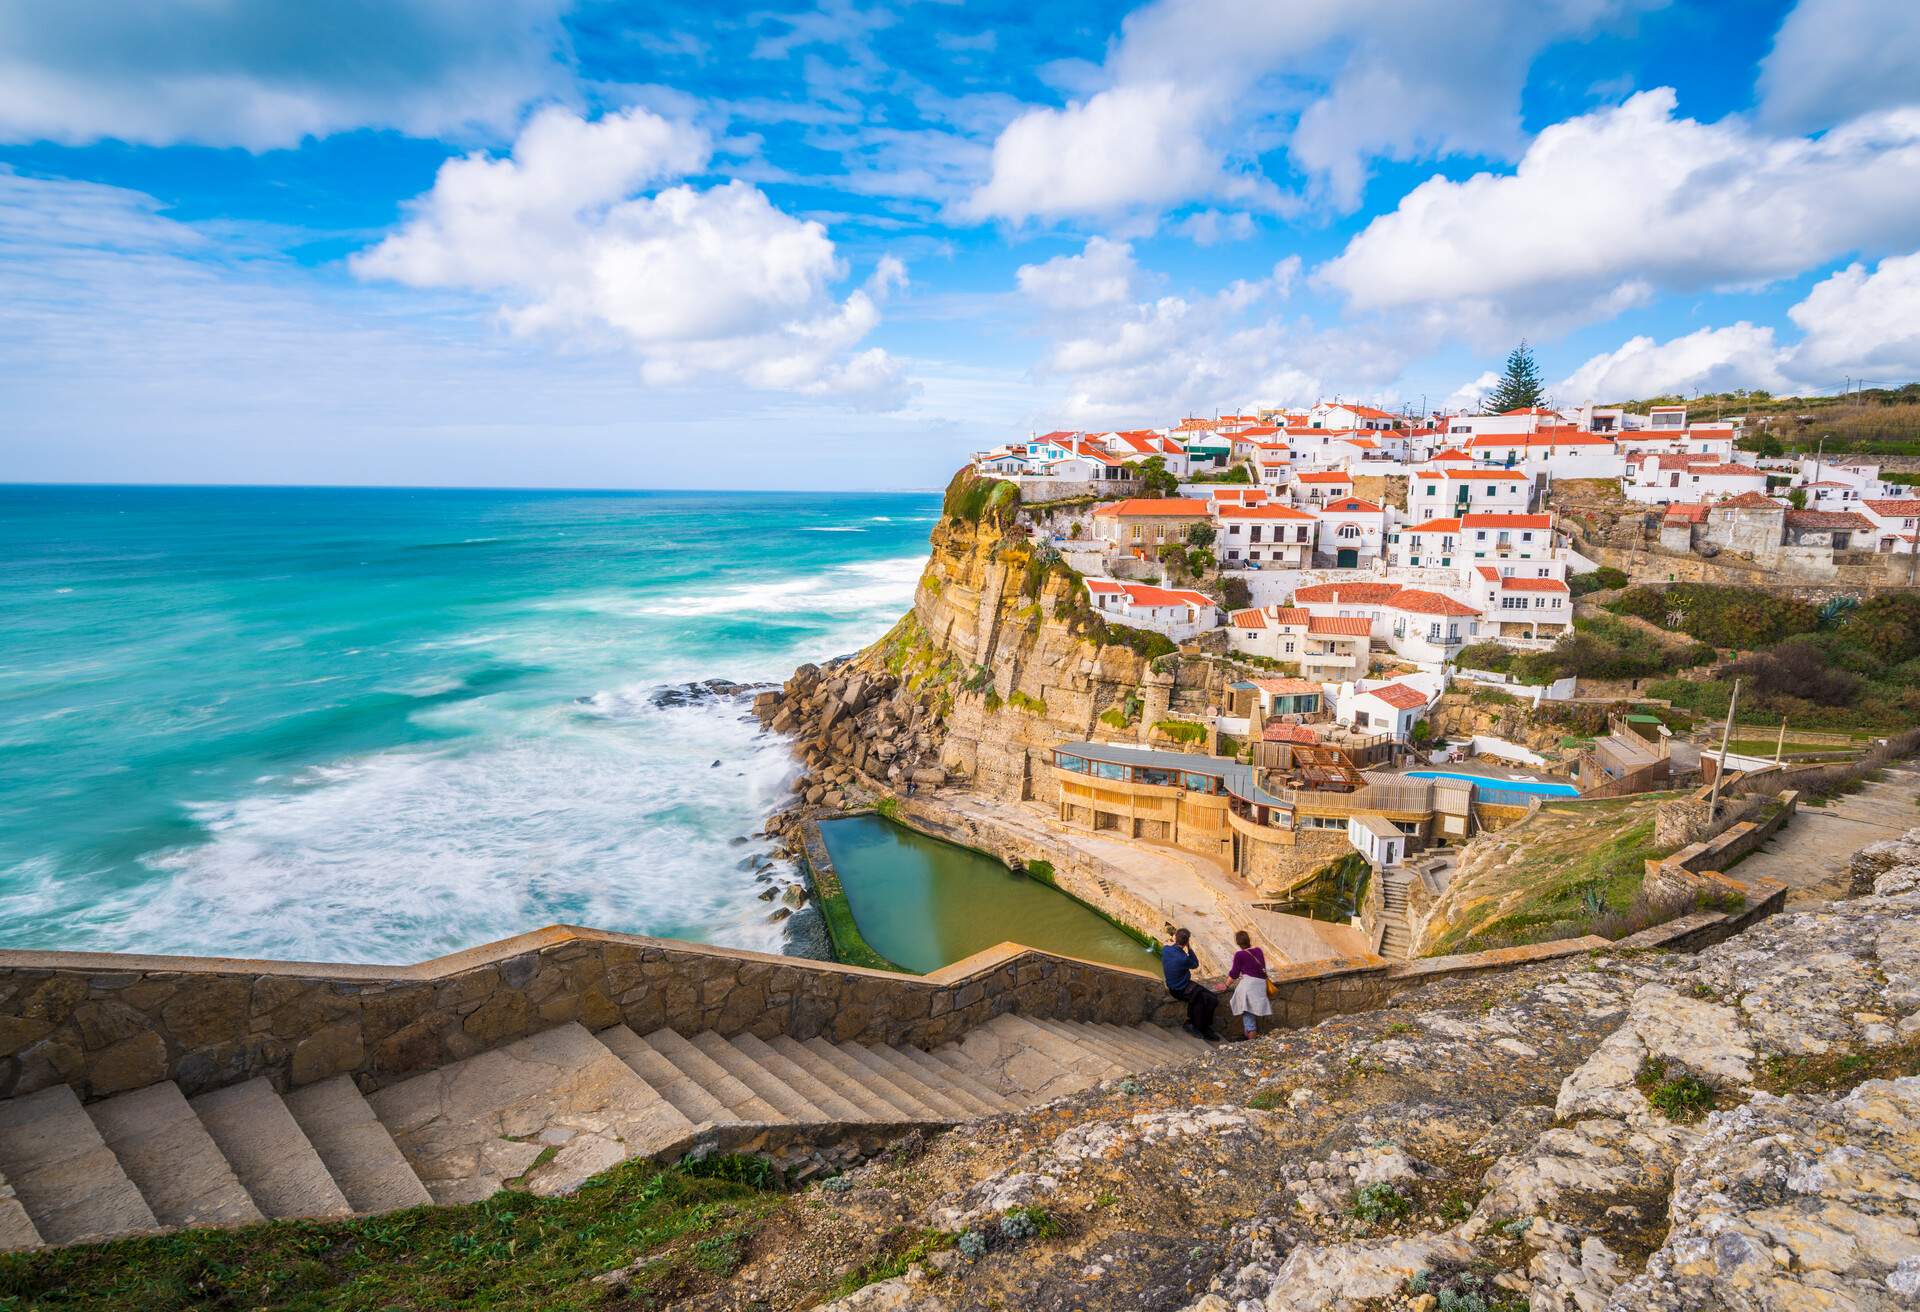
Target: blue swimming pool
(1492,786)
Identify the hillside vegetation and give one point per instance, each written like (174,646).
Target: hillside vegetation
(1874,420)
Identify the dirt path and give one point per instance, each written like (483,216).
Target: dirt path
(1810,854)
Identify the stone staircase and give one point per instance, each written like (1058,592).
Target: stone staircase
(543,1113)
(1396,941)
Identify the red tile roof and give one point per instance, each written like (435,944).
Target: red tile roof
(1287,687)
(1693,512)
(1435,526)
(1363,593)
(1248,619)
(1279,732)
(1421,602)
(1514,583)
(1351,506)
(1262,510)
(1502,474)
(1154,508)
(1896,507)
(1327,476)
(1502,519)
(1454,453)
(1827,519)
(1145,594)
(1747,501)
(1339,626)
(1398,696)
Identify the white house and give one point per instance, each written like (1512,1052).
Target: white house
(1509,421)
(1663,479)
(1389,708)
(1337,415)
(1501,536)
(1416,546)
(1375,838)
(1436,493)
(1522,605)
(1264,535)
(1323,646)
(1177,612)
(1563,451)
(1352,532)
(1896,522)
(1428,627)
(1321,485)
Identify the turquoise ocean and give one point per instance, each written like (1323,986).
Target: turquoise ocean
(379,725)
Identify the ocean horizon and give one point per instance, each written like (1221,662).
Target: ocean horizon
(380,724)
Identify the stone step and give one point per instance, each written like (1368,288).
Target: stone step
(689,1097)
(549,1110)
(906,1107)
(16,1227)
(63,1173)
(1190,1044)
(269,1152)
(740,1100)
(1164,1046)
(166,1151)
(789,1102)
(1073,1056)
(357,1150)
(1101,1045)
(837,1078)
(1016,1067)
(801,1080)
(1144,1048)
(944,1106)
(970,1093)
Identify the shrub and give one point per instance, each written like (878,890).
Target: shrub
(1143,642)
(1380,1202)
(1600,580)
(1028,1223)
(1020,701)
(1726,617)
(1200,535)
(1798,668)
(1235,594)
(1485,656)
(972,499)
(1181,731)
(888,807)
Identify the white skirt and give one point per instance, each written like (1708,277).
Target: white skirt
(1250,995)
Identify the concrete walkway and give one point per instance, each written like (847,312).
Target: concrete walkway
(1810,854)
(1184,887)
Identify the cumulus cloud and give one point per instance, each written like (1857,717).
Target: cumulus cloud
(1101,274)
(1834,59)
(1466,398)
(1195,90)
(1119,359)
(1852,323)
(262,76)
(1608,208)
(695,282)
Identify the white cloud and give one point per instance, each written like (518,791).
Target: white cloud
(1834,59)
(714,282)
(1136,146)
(1852,323)
(1466,398)
(1607,208)
(1710,360)
(262,76)
(1101,274)
(1120,361)
(1211,227)
(1195,91)
(1859,323)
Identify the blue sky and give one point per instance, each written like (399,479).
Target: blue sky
(533,242)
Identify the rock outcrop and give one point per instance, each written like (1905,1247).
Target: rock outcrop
(1736,1129)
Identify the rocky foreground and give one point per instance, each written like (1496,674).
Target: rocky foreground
(1738,1129)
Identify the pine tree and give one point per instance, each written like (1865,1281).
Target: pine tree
(1520,386)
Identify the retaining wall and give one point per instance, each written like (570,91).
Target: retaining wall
(104,1022)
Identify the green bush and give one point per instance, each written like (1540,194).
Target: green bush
(1599,580)
(972,499)
(1725,617)
(1181,731)
(1485,656)
(1380,1202)
(1678,1097)
(1143,642)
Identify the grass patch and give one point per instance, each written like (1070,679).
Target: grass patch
(1267,1100)
(889,807)
(513,1251)
(1114,718)
(1185,732)
(1678,1097)
(892,1265)
(1838,1072)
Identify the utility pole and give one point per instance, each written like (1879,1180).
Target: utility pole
(1780,748)
(1726,735)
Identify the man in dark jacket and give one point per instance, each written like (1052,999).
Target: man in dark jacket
(1177,963)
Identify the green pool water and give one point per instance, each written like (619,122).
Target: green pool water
(925,904)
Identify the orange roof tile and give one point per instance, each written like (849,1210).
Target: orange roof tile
(1154,508)
(1362,593)
(1351,506)
(1326,476)
(1398,696)
(1435,526)
(1284,687)
(1499,519)
(1340,626)
(1421,602)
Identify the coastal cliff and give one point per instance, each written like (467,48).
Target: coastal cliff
(999,659)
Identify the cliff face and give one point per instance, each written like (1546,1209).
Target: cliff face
(998,661)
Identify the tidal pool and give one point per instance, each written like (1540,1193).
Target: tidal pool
(924,903)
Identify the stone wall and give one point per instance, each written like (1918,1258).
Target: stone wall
(104,1022)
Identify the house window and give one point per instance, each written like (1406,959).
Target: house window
(1433,631)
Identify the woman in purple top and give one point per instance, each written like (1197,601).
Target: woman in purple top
(1249,976)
